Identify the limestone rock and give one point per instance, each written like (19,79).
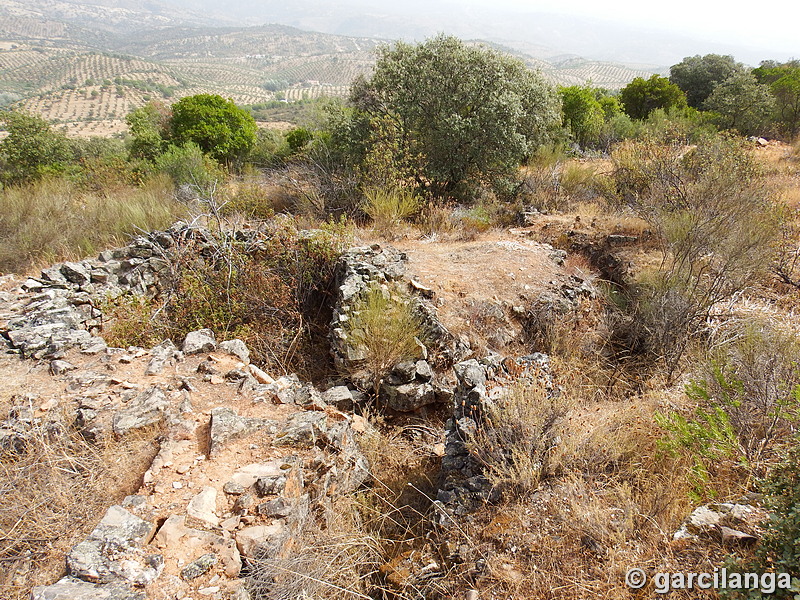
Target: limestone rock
(146,409)
(262,541)
(199,341)
(203,507)
(69,588)
(113,551)
(302,430)
(236,348)
(198,567)
(226,425)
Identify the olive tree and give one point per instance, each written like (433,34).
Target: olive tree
(458,115)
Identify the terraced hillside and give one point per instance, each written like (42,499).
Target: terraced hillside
(88,76)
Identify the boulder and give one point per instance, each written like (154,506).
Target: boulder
(199,341)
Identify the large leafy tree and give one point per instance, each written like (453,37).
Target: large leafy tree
(458,115)
(742,104)
(698,75)
(218,126)
(583,115)
(31,149)
(642,96)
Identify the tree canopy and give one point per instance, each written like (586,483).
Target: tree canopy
(583,113)
(642,96)
(218,126)
(742,104)
(698,75)
(451,114)
(31,148)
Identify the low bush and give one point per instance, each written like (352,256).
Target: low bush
(717,223)
(386,329)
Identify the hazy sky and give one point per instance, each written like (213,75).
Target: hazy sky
(771,24)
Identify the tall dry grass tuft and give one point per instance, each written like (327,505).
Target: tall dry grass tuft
(389,208)
(54,487)
(54,219)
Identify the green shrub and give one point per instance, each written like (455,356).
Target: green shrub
(187,165)
(778,550)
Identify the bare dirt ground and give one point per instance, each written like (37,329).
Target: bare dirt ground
(478,283)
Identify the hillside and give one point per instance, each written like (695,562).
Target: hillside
(85,66)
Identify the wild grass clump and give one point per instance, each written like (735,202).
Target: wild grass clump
(55,486)
(389,208)
(386,330)
(515,443)
(53,219)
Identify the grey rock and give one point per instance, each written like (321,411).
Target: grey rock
(233,489)
(227,425)
(146,409)
(199,567)
(160,355)
(113,551)
(408,397)
(199,341)
(423,371)
(339,396)
(59,367)
(69,588)
(273,484)
(303,430)
(279,508)
(236,348)
(76,273)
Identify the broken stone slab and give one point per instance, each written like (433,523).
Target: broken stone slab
(203,507)
(69,588)
(187,544)
(272,484)
(408,397)
(199,341)
(59,367)
(248,475)
(262,541)
(340,397)
(146,409)
(113,551)
(160,355)
(227,425)
(76,273)
(710,521)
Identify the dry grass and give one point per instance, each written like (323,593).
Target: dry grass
(389,208)
(54,220)
(55,487)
